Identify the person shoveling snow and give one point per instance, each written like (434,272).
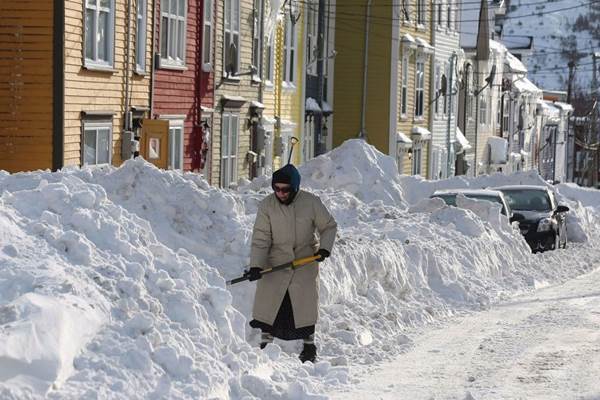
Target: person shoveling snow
(286,302)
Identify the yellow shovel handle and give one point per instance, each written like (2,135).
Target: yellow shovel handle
(303,261)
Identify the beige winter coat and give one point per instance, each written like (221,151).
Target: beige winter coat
(282,234)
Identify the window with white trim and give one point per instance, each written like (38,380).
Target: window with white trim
(140,36)
(311,37)
(256,38)
(404,102)
(406,10)
(99,42)
(229,148)
(446,74)
(438,88)
(419,89)
(421,12)
(482,109)
(416,159)
(173,33)
(175,160)
(449,15)
(289,51)
(440,19)
(269,60)
(207,35)
(97,143)
(231,42)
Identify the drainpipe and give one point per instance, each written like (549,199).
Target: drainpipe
(450,88)
(127,63)
(363,131)
(152,56)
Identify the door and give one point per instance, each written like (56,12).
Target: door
(155,142)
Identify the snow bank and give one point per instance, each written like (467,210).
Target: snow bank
(136,258)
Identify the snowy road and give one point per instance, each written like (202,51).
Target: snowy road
(545,345)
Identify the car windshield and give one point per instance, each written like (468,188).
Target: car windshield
(528,200)
(450,199)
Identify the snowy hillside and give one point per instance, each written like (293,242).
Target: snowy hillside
(556,27)
(112,280)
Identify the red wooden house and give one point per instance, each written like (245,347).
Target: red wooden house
(183,85)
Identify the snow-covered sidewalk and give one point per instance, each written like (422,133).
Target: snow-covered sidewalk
(545,345)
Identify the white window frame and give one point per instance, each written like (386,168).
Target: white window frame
(88,126)
(404,90)
(421,19)
(94,61)
(439,21)
(449,19)
(207,36)
(269,61)
(257,43)
(417,159)
(175,124)
(312,20)
(437,88)
(405,11)
(419,89)
(229,174)
(290,52)
(231,28)
(175,41)
(483,109)
(141,36)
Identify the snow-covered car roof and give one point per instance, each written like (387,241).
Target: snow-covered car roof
(480,192)
(521,187)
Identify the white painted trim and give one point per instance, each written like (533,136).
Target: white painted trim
(393,111)
(331,75)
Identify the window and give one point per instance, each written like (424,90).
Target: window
(172,37)
(140,37)
(482,109)
(449,16)
(420,12)
(311,38)
(440,20)
(269,60)
(229,144)
(231,43)
(207,36)
(176,144)
(404,104)
(97,143)
(506,119)
(419,89)
(416,160)
(438,87)
(256,41)
(446,74)
(99,33)
(289,50)
(406,10)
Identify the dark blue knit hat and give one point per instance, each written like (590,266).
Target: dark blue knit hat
(288,174)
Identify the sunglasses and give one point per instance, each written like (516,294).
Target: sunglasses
(286,189)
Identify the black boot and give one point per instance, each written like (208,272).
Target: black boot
(309,353)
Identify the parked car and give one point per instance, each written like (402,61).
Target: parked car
(494,196)
(544,225)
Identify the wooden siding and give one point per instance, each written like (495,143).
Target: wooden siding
(348,85)
(26,110)
(90,90)
(184,92)
(242,86)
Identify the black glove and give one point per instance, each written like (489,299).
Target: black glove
(323,254)
(253,274)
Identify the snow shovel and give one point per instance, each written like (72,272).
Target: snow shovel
(292,264)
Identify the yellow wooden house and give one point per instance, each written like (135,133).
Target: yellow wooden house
(382,79)
(283,117)
(74,81)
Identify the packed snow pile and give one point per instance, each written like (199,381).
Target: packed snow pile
(112,280)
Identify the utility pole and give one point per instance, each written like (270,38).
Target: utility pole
(595,137)
(449,93)
(571,77)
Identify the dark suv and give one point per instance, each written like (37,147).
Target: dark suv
(544,225)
